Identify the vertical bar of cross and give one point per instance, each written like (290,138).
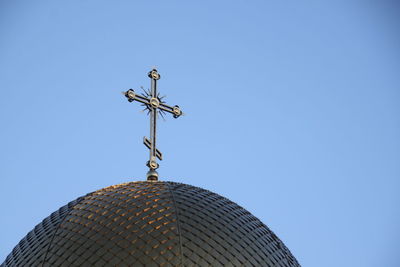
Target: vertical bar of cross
(153,124)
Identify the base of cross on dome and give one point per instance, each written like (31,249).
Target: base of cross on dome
(152,175)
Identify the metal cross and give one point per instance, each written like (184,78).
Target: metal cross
(154,105)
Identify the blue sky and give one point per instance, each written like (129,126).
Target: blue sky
(292,111)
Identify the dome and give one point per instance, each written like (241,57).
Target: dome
(151,224)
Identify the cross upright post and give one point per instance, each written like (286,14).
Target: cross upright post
(154,105)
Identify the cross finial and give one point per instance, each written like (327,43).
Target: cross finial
(154,105)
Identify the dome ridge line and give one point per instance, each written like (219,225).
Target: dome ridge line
(59,225)
(177,220)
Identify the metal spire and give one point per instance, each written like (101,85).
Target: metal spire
(154,105)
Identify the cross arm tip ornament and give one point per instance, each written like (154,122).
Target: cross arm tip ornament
(130,95)
(153,74)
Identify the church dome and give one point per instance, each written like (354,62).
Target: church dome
(151,224)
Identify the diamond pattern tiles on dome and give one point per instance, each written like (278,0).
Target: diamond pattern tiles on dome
(32,249)
(151,224)
(217,232)
(131,224)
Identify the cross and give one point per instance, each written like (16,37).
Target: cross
(154,105)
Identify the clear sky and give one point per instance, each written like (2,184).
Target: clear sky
(292,111)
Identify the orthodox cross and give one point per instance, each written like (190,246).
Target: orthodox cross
(154,105)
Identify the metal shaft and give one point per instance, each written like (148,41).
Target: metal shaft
(153,123)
